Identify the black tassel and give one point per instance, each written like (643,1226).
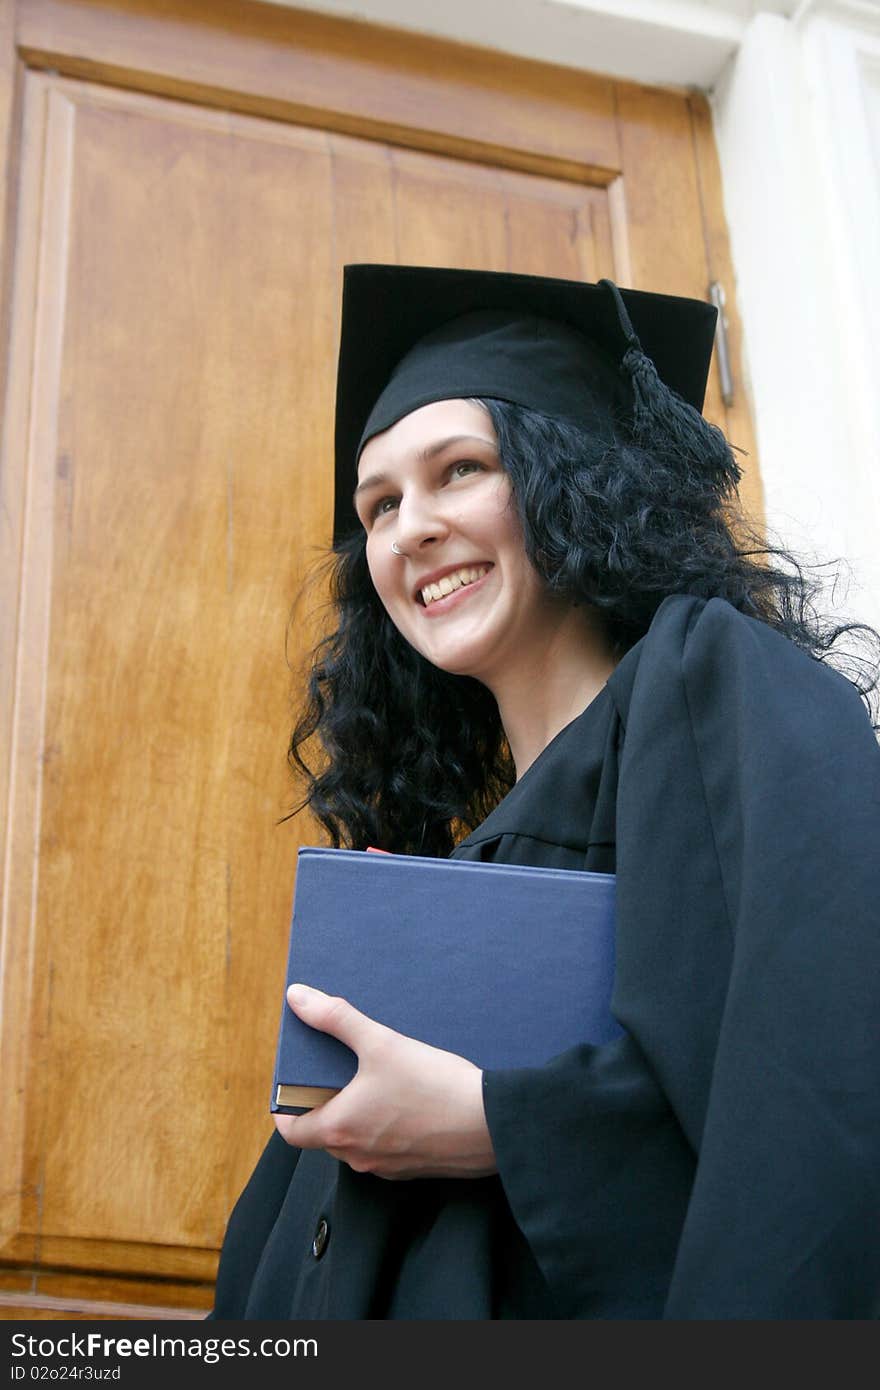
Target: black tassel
(661,418)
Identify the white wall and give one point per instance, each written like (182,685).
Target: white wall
(795,91)
(797,119)
(678,42)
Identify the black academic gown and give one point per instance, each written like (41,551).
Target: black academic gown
(722,1159)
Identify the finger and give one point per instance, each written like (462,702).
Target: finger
(299,1131)
(330,1014)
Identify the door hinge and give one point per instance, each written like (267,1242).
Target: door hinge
(717,296)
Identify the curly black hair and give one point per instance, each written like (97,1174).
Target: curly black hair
(413,758)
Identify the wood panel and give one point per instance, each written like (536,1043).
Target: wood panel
(177,483)
(43,1307)
(336,74)
(10,500)
(166,423)
(676,233)
(735,418)
(10,111)
(473,216)
(166,487)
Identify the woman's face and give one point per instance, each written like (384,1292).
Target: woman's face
(463,593)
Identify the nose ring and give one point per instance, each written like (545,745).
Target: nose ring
(396,548)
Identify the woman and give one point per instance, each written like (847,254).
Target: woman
(555,647)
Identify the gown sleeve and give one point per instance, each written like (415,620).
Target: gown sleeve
(748,982)
(784,1218)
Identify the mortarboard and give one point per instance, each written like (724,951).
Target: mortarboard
(414,334)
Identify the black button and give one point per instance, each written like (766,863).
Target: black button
(322,1235)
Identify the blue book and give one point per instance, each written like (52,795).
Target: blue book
(503,964)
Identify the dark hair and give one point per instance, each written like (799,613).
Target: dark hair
(413,758)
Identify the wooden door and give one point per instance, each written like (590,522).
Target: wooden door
(185,191)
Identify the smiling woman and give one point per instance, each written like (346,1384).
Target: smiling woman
(459,586)
(557,644)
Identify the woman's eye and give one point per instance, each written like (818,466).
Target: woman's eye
(465,467)
(385,504)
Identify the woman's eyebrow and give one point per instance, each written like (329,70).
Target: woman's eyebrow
(373,481)
(429,452)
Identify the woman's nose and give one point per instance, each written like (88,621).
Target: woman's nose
(420,520)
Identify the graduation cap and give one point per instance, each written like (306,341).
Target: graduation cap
(414,334)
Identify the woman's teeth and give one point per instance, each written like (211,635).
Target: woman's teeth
(450,582)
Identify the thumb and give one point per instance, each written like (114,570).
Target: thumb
(330,1014)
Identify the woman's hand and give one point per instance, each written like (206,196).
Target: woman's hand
(411,1111)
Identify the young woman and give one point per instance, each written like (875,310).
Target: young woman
(556,646)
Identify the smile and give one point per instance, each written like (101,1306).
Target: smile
(459,579)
